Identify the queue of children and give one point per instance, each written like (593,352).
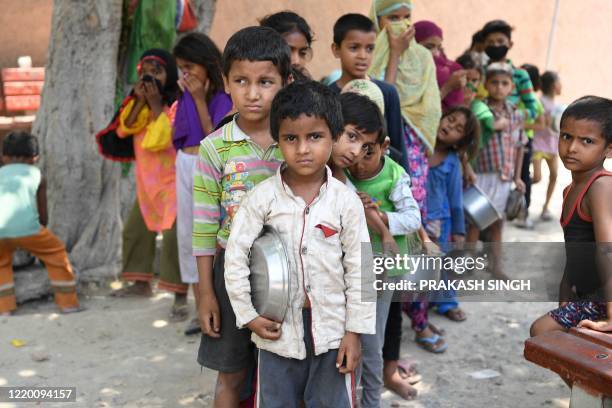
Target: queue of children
(227,142)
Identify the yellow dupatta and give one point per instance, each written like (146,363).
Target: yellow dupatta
(416,75)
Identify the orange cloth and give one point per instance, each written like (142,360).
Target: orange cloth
(50,250)
(155,171)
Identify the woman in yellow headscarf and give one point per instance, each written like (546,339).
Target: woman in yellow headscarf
(400,61)
(407,65)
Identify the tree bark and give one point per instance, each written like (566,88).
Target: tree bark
(206,13)
(77,101)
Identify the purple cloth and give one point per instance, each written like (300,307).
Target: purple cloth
(444,67)
(187,127)
(424,29)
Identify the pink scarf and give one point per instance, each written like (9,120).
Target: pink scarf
(444,66)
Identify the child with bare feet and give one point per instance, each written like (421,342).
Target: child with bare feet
(585,296)
(500,157)
(146,117)
(385,187)
(23,220)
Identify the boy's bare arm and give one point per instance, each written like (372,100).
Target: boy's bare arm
(377,224)
(41,202)
(208,311)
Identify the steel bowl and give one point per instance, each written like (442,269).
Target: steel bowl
(478,208)
(515,205)
(270,275)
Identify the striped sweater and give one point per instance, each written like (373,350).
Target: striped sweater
(230,164)
(523,92)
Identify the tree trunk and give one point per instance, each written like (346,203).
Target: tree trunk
(205,10)
(77,101)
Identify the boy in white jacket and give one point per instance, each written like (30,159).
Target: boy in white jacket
(313,353)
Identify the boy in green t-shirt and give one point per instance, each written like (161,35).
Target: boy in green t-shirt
(384,185)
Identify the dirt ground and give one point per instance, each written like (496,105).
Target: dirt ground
(124,353)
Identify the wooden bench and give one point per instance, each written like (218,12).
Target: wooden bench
(582,357)
(21,89)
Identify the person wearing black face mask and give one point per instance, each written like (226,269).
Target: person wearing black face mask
(498,41)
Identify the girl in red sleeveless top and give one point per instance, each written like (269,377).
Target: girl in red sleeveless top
(585,293)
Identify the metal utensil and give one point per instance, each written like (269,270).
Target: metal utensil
(270,275)
(515,205)
(478,208)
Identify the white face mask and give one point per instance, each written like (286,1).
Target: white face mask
(481,58)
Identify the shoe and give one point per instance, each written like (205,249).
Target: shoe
(193,327)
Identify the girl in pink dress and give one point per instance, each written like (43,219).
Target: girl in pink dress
(546,141)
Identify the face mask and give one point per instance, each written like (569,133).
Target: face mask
(497,53)
(398,27)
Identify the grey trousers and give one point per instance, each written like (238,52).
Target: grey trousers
(285,382)
(370,372)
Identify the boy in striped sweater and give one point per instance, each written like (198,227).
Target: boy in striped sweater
(232,160)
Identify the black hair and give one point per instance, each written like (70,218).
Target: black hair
(496,26)
(351,21)
(469,143)
(286,22)
(363,113)
(467,61)
(199,49)
(298,75)
(20,144)
(534,75)
(547,81)
(309,98)
(593,108)
(170,89)
(477,38)
(258,44)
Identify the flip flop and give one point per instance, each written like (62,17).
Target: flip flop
(407,368)
(436,330)
(193,327)
(131,291)
(429,344)
(68,310)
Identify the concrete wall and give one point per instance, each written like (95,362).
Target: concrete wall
(25,26)
(580,50)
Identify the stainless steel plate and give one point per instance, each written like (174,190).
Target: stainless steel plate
(270,274)
(478,208)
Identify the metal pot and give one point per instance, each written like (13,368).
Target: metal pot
(478,208)
(270,275)
(515,205)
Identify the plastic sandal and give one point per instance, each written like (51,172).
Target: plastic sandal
(429,344)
